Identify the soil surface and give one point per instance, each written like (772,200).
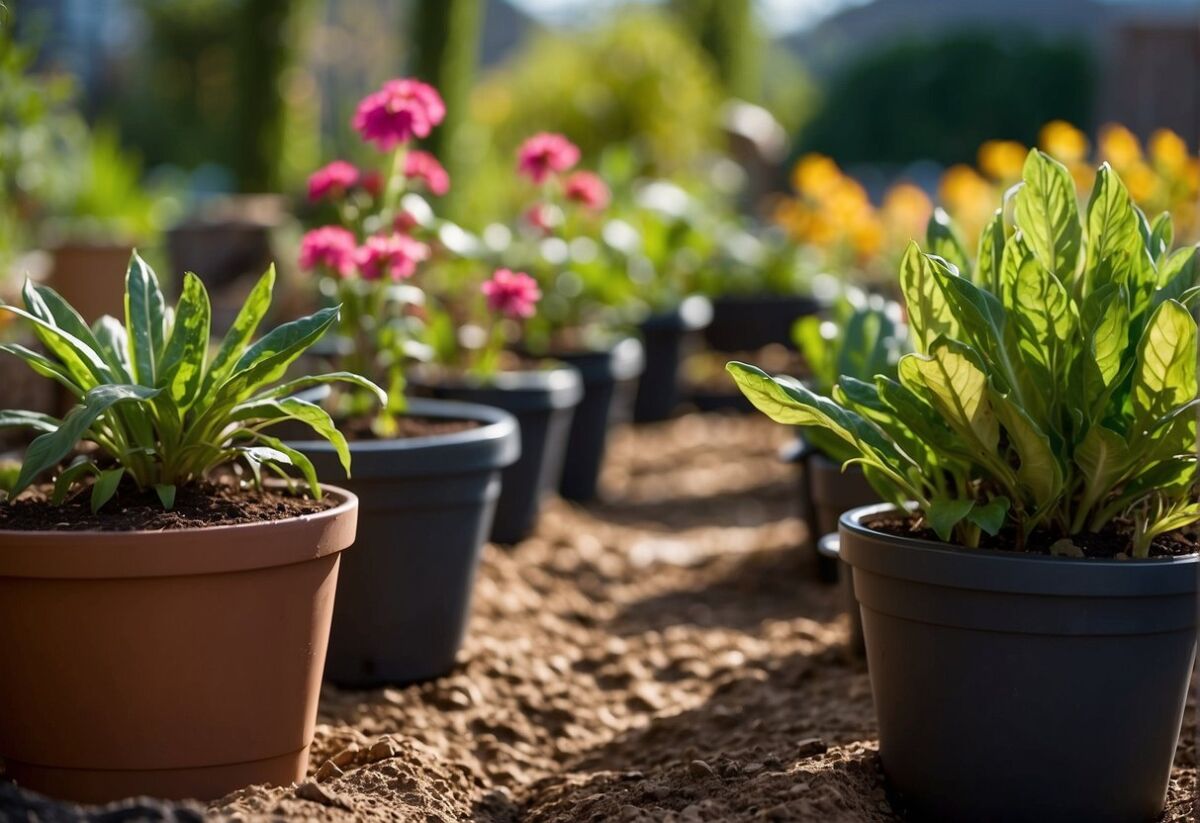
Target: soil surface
(359,428)
(197,506)
(665,655)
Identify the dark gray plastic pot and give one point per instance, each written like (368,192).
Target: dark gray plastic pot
(667,338)
(743,322)
(543,401)
(829,549)
(426,506)
(824,492)
(1014,687)
(609,384)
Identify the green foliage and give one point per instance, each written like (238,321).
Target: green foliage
(983,85)
(158,409)
(1058,388)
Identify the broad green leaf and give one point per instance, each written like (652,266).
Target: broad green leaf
(991,254)
(1048,215)
(44,366)
(50,448)
(114,345)
(166,494)
(929,312)
(85,366)
(19,419)
(1179,273)
(145,320)
(1104,459)
(1164,375)
(267,360)
(943,514)
(1104,325)
(944,241)
(942,448)
(69,476)
(307,413)
(105,487)
(990,516)
(1162,236)
(957,384)
(297,459)
(241,332)
(182,366)
(1112,226)
(817,350)
(1038,471)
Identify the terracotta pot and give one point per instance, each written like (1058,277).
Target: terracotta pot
(91,277)
(176,664)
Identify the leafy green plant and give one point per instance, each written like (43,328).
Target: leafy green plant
(863,338)
(158,408)
(1053,386)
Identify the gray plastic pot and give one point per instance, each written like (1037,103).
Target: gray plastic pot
(828,547)
(543,402)
(426,506)
(609,384)
(824,491)
(1014,687)
(667,338)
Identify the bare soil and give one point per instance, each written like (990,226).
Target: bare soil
(665,655)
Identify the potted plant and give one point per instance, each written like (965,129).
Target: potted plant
(1028,594)
(164,611)
(428,471)
(865,337)
(582,316)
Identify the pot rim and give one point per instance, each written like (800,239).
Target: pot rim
(497,424)
(558,387)
(623,359)
(93,554)
(937,563)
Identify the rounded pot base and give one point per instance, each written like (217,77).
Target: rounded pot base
(192,783)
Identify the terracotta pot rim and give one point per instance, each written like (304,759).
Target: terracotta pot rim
(180,552)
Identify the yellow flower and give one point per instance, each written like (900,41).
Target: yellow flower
(906,209)
(1141,181)
(1169,151)
(815,174)
(1002,159)
(963,187)
(1119,146)
(1063,141)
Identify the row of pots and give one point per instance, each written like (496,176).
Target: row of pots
(1009,686)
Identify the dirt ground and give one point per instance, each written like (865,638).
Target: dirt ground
(663,655)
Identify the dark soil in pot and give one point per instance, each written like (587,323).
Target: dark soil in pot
(543,401)
(609,386)
(668,338)
(751,321)
(426,507)
(183,662)
(1016,686)
(823,492)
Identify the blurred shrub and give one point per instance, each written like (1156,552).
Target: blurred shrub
(639,80)
(939,99)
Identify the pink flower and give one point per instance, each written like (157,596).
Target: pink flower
(394,255)
(541,217)
(587,189)
(513,294)
(423,166)
(330,247)
(544,154)
(398,112)
(334,179)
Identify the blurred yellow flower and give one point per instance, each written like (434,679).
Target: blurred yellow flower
(815,174)
(1002,159)
(1119,146)
(1141,181)
(1063,141)
(1169,151)
(906,210)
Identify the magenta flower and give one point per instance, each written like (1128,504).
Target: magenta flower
(423,166)
(513,294)
(393,255)
(398,112)
(587,189)
(541,217)
(544,154)
(334,179)
(330,247)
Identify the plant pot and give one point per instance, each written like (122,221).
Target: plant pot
(609,385)
(1023,687)
(543,402)
(175,664)
(426,506)
(751,321)
(824,492)
(828,549)
(91,277)
(667,338)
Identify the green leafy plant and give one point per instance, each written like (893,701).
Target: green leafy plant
(1053,386)
(864,338)
(160,410)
